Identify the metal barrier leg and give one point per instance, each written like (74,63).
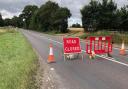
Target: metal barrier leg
(64,58)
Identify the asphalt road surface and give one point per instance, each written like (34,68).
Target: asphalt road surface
(100,73)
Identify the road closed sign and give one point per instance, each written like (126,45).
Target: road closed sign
(71,45)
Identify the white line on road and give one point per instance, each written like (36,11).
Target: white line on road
(108,58)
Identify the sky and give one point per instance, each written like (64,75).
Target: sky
(9,8)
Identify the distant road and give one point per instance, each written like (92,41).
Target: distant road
(101,73)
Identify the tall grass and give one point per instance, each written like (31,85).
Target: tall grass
(17,61)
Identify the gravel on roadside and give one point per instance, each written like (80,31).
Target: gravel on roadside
(47,78)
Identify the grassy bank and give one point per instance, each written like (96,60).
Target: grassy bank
(18,62)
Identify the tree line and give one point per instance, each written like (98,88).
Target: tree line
(50,16)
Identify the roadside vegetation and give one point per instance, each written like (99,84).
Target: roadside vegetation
(117,38)
(18,62)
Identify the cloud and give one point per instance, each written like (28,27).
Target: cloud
(7,14)
(121,3)
(10,8)
(18,5)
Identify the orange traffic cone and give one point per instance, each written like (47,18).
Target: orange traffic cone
(122,50)
(51,56)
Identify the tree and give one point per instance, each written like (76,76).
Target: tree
(90,14)
(107,14)
(99,15)
(44,15)
(7,22)
(1,20)
(60,19)
(51,17)
(21,21)
(15,21)
(27,14)
(34,23)
(123,18)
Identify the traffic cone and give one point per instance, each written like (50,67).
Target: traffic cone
(122,49)
(51,56)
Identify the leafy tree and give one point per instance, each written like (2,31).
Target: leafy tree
(60,19)
(21,21)
(51,17)
(27,14)
(123,16)
(15,21)
(34,23)
(7,22)
(44,15)
(107,14)
(90,14)
(99,15)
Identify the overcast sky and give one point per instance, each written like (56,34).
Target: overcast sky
(9,8)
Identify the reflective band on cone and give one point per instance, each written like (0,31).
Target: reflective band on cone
(122,51)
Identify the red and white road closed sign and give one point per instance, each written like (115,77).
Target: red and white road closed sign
(71,45)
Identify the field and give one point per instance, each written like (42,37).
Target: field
(18,62)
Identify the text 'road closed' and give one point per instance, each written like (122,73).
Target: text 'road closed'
(71,45)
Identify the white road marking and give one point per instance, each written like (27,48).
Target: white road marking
(112,59)
(108,58)
(52,40)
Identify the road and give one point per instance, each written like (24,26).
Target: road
(101,73)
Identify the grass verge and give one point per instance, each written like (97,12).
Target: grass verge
(18,62)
